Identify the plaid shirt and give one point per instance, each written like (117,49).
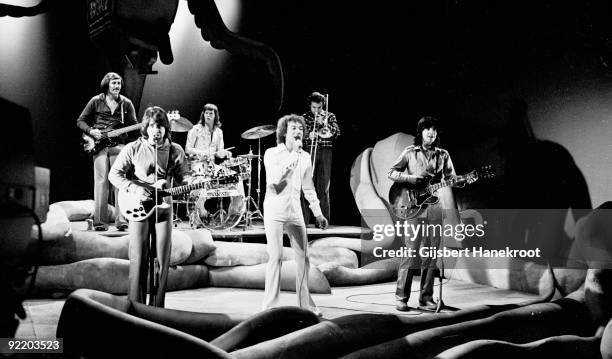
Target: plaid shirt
(322,142)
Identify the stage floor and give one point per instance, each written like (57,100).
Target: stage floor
(43,314)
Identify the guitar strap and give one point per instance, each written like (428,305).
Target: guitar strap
(122,119)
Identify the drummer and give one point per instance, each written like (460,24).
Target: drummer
(205,139)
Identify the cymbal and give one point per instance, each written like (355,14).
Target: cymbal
(180,124)
(258,132)
(249,156)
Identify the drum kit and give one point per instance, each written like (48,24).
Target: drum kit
(222,206)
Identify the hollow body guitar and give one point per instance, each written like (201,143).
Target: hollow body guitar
(134,208)
(408,200)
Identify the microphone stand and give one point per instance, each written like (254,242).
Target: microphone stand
(154,267)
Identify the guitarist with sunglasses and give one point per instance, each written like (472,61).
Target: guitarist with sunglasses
(415,167)
(104,113)
(151,159)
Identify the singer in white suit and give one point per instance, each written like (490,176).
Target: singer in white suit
(288,171)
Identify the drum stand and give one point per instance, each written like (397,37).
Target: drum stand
(256,214)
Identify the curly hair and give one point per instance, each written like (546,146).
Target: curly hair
(157,115)
(316,97)
(425,123)
(107,79)
(215,109)
(281,127)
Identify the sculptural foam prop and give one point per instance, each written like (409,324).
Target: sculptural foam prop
(82,245)
(82,209)
(574,322)
(233,254)
(254,277)
(110,275)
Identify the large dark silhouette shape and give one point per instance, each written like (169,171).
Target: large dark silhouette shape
(540,176)
(16,171)
(95,324)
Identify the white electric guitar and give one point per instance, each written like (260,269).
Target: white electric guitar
(135,209)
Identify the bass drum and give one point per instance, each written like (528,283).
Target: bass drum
(216,208)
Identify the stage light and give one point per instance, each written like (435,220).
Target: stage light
(24,56)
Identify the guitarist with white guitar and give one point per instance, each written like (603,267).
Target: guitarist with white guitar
(142,167)
(104,113)
(414,168)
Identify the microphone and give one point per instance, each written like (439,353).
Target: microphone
(299,143)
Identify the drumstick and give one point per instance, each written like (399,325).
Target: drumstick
(214,153)
(225,149)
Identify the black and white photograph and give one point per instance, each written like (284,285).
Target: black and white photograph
(306,179)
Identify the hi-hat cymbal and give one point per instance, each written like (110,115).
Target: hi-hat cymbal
(258,132)
(180,124)
(249,156)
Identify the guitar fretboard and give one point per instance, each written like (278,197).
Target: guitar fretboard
(193,186)
(121,131)
(186,188)
(434,187)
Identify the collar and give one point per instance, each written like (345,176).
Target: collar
(420,148)
(102,97)
(282,147)
(203,127)
(163,147)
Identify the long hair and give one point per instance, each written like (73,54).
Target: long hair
(281,127)
(215,109)
(156,115)
(107,79)
(424,123)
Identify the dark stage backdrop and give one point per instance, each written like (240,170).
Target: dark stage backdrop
(384,66)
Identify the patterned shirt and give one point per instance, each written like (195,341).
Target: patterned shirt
(201,142)
(310,124)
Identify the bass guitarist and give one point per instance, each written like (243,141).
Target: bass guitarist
(416,165)
(140,164)
(104,112)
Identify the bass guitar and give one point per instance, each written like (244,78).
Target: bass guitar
(91,146)
(407,200)
(135,209)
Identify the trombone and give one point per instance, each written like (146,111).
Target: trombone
(323,132)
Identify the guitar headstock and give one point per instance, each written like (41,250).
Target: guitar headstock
(486,172)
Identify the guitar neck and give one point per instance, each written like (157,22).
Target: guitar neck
(193,186)
(434,187)
(121,131)
(186,188)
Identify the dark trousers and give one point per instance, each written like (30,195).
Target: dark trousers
(321,177)
(409,264)
(138,254)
